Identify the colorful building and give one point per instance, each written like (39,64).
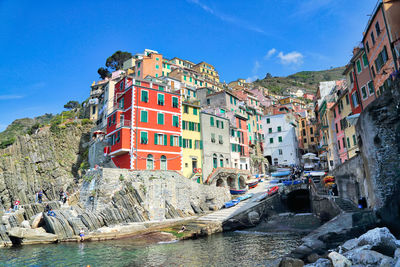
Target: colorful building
(144,130)
(191,141)
(150,64)
(339,123)
(207,70)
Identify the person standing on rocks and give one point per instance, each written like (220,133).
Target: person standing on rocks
(40,196)
(16,205)
(61,193)
(82,234)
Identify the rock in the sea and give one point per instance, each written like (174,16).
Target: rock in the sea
(291,262)
(349,244)
(371,258)
(37,220)
(339,260)
(397,263)
(321,262)
(380,239)
(32,236)
(253,217)
(397,254)
(313,257)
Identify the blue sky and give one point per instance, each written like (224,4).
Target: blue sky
(50,50)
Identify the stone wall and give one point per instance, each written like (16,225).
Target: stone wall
(378,130)
(351,179)
(157,192)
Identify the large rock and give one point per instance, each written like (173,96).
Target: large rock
(321,262)
(349,244)
(339,260)
(37,220)
(32,236)
(380,239)
(25,224)
(291,262)
(371,258)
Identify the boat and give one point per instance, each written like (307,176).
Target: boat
(238,191)
(273,190)
(252,183)
(231,203)
(329,179)
(287,182)
(280,173)
(245,197)
(261,197)
(297,182)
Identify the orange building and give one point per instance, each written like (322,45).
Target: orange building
(151,64)
(144,130)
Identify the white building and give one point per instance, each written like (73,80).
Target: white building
(280,146)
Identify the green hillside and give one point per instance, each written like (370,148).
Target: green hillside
(308,80)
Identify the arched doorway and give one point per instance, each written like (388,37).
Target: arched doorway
(220,182)
(232,182)
(163,164)
(150,162)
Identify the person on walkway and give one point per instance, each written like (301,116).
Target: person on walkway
(61,194)
(64,197)
(40,196)
(82,234)
(335,191)
(16,205)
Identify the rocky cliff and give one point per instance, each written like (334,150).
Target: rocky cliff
(48,160)
(379,139)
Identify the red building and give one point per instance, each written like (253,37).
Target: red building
(144,129)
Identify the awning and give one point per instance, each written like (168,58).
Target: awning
(352,119)
(309,156)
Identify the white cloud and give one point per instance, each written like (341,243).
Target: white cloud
(294,58)
(270,53)
(9,97)
(228,18)
(256,66)
(252,79)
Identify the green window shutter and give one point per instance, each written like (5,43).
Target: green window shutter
(171,140)
(279,128)
(175,103)
(190,143)
(212,121)
(165,139)
(155,139)
(176,121)
(268,120)
(201,144)
(160,118)
(198,128)
(180,141)
(184,143)
(194,111)
(271,140)
(280,139)
(184,125)
(222,125)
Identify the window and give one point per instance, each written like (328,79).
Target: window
(280,139)
(186,109)
(197,144)
(303,124)
(175,121)
(354,140)
(160,99)
(351,77)
(338,143)
(118,137)
(377,28)
(213,137)
(367,46)
(354,98)
(358,63)
(163,163)
(194,111)
(121,103)
(347,99)
(184,77)
(334,113)
(138,73)
(215,161)
(312,139)
(160,118)
(143,116)
(109,122)
(217,121)
(344,143)
(144,96)
(114,116)
(279,128)
(268,120)
(271,140)
(280,151)
(373,71)
(221,141)
(365,60)
(160,139)
(187,143)
(144,138)
(337,128)
(174,140)
(175,102)
(221,162)
(311,130)
(208,101)
(269,130)
(212,121)
(372,38)
(150,162)
(157,67)
(371,88)
(304,132)
(364,92)
(222,125)
(381,59)
(305,140)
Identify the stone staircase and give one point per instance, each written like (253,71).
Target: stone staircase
(223,214)
(346,205)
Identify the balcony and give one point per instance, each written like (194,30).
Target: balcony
(95,93)
(123,124)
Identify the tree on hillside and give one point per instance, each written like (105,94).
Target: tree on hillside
(117,59)
(268,76)
(72,104)
(103,72)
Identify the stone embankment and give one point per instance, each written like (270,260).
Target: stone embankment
(377,247)
(117,203)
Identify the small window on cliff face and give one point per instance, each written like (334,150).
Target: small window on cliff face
(377,140)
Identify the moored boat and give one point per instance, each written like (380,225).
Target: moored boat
(231,203)
(245,197)
(280,173)
(252,183)
(273,190)
(238,191)
(287,182)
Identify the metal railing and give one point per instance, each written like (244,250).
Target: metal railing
(124,123)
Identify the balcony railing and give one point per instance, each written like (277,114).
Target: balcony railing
(96,92)
(123,123)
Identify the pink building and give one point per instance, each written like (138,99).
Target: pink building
(363,76)
(339,124)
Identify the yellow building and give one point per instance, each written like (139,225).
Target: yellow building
(207,70)
(350,129)
(191,142)
(166,67)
